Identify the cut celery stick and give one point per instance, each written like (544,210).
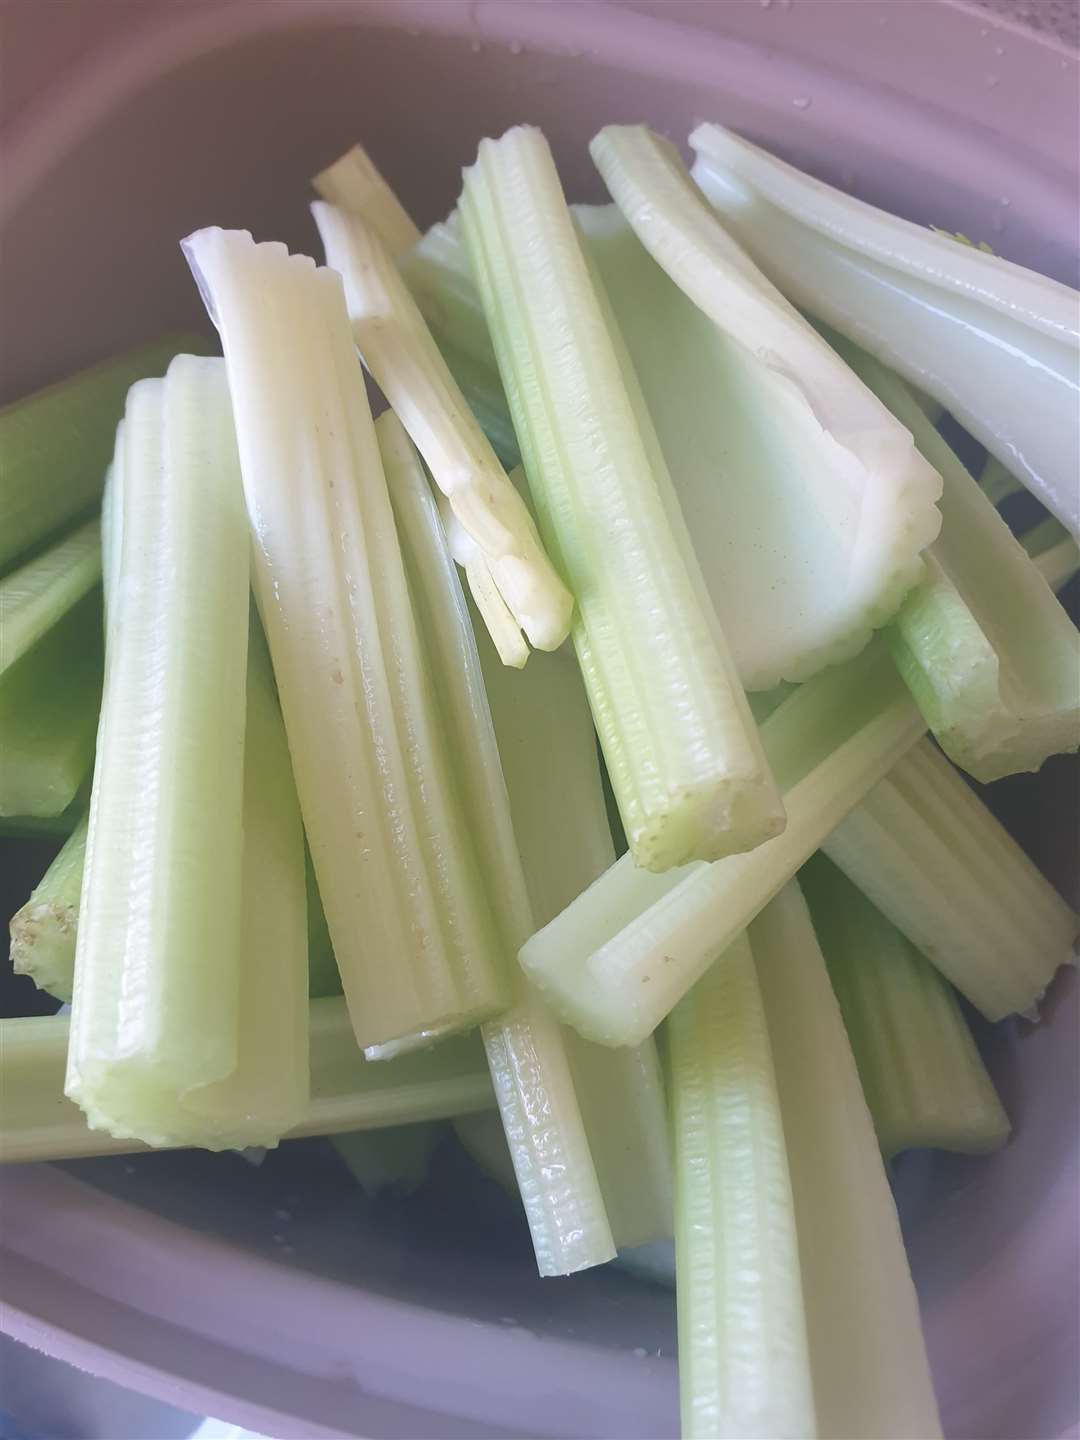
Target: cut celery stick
(396,1159)
(997,482)
(37,1121)
(484,1140)
(496,615)
(483,390)
(1059,563)
(620,956)
(49,704)
(867,1354)
(1043,535)
(354,183)
(816,502)
(396,868)
(995,343)
(401,354)
(744,1365)
(30,827)
(155,1013)
(923,1078)
(43,931)
(934,860)
(681,749)
(56,443)
(992,659)
(38,594)
(323,977)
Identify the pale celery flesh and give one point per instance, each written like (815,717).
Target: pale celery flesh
(43,930)
(41,591)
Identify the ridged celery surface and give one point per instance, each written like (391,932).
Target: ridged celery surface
(867,1354)
(922,1075)
(617,959)
(681,749)
(744,1368)
(43,590)
(38,1122)
(156,1008)
(807,500)
(396,867)
(399,350)
(355,183)
(56,443)
(936,862)
(43,930)
(997,344)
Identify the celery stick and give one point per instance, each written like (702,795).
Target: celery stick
(1043,535)
(934,860)
(56,443)
(743,1353)
(31,827)
(923,1078)
(155,1013)
(680,746)
(808,500)
(43,590)
(43,931)
(1059,563)
(398,349)
(323,977)
(620,956)
(397,1159)
(49,704)
(37,1121)
(992,659)
(867,1355)
(484,1140)
(354,183)
(997,482)
(395,863)
(995,343)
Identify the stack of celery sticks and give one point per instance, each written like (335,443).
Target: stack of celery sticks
(339,857)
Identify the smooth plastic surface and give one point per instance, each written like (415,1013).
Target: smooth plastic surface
(277,1296)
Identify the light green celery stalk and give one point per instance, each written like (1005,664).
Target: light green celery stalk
(323,977)
(743,1352)
(923,1078)
(37,1121)
(396,1159)
(929,854)
(525,1048)
(396,866)
(992,659)
(618,958)
(156,1007)
(681,748)
(997,482)
(867,1354)
(1055,553)
(401,354)
(32,827)
(49,704)
(995,343)
(43,590)
(56,443)
(354,183)
(43,930)
(808,502)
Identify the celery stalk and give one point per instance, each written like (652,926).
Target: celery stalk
(396,1159)
(808,501)
(395,863)
(743,1352)
(1058,563)
(401,354)
(38,1122)
(323,977)
(681,748)
(867,1353)
(43,590)
(43,931)
(31,827)
(995,343)
(617,959)
(934,860)
(997,482)
(923,1078)
(354,183)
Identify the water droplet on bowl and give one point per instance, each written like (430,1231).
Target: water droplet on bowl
(639,1350)
(514,47)
(476,47)
(801,102)
(1005,201)
(999,49)
(764,5)
(990,81)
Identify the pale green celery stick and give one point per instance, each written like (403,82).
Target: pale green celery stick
(744,1366)
(497,618)
(1045,534)
(56,443)
(931,408)
(681,748)
(399,350)
(354,183)
(995,343)
(997,482)
(43,590)
(29,827)
(37,1121)
(483,390)
(621,955)
(867,1354)
(923,1078)
(654,1263)
(396,868)
(807,500)
(156,1009)
(397,1159)
(992,659)
(933,859)
(525,1048)
(43,931)
(1058,564)
(49,704)
(323,977)
(484,1140)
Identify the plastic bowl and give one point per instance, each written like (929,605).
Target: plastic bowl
(275,1297)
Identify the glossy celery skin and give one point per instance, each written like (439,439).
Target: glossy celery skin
(39,593)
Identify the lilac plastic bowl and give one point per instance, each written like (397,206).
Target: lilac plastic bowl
(274,1297)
